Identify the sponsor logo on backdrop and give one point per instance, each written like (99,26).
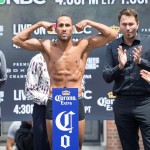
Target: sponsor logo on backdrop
(25,107)
(117,28)
(1,30)
(65,141)
(67,117)
(22,2)
(65,97)
(1,96)
(87,94)
(86,30)
(19,95)
(106,102)
(100,2)
(18,70)
(146,31)
(92,63)
(17,28)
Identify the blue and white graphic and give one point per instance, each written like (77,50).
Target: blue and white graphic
(65,118)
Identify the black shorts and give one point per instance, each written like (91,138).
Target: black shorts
(81,109)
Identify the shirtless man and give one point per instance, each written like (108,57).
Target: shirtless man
(65,58)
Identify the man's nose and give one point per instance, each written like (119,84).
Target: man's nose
(128,27)
(64,28)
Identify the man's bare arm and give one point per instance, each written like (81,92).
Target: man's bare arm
(106,33)
(24,40)
(10,143)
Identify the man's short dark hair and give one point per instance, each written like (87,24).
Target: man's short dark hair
(128,12)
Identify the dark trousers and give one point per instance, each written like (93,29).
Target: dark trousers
(40,139)
(132,114)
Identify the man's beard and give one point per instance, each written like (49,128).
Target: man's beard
(130,35)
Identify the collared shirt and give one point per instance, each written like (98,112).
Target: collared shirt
(37,81)
(128,80)
(3,68)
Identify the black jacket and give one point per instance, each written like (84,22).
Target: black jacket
(128,81)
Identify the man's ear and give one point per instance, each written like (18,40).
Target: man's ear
(138,25)
(72,30)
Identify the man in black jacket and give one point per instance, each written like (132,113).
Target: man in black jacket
(24,136)
(125,58)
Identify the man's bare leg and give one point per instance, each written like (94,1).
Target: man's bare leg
(81,132)
(49,131)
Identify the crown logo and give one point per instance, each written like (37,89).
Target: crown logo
(110,95)
(53,29)
(115,28)
(51,32)
(65,93)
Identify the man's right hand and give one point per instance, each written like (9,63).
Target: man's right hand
(48,26)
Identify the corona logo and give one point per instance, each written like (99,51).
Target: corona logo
(110,95)
(67,125)
(60,98)
(115,28)
(65,141)
(65,93)
(51,32)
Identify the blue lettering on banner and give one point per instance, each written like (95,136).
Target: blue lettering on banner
(65,118)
